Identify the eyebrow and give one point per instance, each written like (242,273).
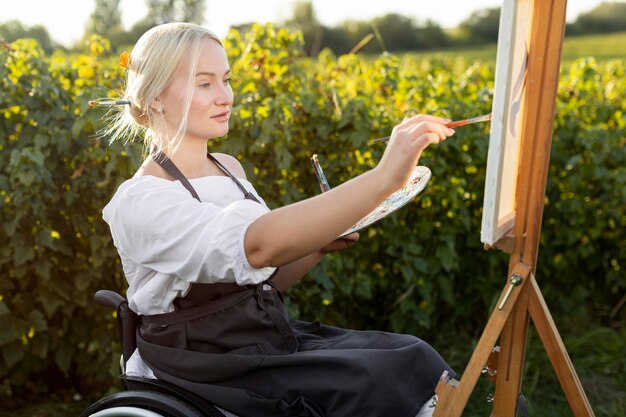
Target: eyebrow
(210,74)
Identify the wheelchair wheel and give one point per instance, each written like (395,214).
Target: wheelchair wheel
(125,412)
(141,404)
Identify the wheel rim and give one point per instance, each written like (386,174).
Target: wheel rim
(125,412)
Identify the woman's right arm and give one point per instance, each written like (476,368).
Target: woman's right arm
(291,232)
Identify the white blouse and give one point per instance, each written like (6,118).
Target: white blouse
(167,239)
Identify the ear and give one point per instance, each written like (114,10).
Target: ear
(156,105)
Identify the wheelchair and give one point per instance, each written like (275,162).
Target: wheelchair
(144,397)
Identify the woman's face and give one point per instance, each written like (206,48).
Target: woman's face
(211,100)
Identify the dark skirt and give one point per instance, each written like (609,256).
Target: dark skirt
(241,352)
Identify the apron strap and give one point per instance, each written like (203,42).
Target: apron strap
(169,167)
(200,310)
(247,194)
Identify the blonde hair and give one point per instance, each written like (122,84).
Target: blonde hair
(154,59)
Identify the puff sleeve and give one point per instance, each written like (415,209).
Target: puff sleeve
(157,225)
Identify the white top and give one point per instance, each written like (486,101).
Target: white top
(167,239)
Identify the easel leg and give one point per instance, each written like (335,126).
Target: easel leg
(557,353)
(511,358)
(453,399)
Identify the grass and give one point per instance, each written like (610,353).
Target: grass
(596,352)
(597,355)
(601,47)
(50,407)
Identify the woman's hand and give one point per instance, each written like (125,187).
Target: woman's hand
(408,140)
(341,243)
(291,273)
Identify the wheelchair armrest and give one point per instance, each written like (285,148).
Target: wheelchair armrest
(108,298)
(127,320)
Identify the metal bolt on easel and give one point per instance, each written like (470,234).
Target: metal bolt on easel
(516,279)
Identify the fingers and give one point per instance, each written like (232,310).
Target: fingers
(422,131)
(346,241)
(423,124)
(428,127)
(351,238)
(429,139)
(341,243)
(427,118)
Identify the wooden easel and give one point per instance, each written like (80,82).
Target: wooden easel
(523,301)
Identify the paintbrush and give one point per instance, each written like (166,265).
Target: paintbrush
(451,125)
(321,178)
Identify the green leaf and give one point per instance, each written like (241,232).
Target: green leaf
(9,331)
(9,227)
(77,127)
(37,320)
(446,256)
(23,254)
(420,265)
(4,310)
(63,358)
(42,268)
(13,353)
(50,303)
(26,178)
(39,346)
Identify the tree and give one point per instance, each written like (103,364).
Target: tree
(303,18)
(392,32)
(604,18)
(164,11)
(431,36)
(159,12)
(337,40)
(482,26)
(357,31)
(105,18)
(398,32)
(13,30)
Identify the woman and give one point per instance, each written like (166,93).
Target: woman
(206,259)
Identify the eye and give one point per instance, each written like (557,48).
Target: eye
(205,85)
(227,81)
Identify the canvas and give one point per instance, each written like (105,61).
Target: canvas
(508,101)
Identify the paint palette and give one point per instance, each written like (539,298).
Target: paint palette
(417,182)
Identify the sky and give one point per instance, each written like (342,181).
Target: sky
(66,19)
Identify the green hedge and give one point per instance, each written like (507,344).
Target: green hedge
(56,250)
(422,270)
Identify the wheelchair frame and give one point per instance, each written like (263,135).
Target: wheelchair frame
(143,397)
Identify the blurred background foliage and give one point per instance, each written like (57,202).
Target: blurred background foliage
(392,32)
(423,270)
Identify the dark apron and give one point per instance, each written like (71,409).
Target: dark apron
(236,347)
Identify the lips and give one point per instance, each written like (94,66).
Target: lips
(221,117)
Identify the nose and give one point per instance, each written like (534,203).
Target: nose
(224,96)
